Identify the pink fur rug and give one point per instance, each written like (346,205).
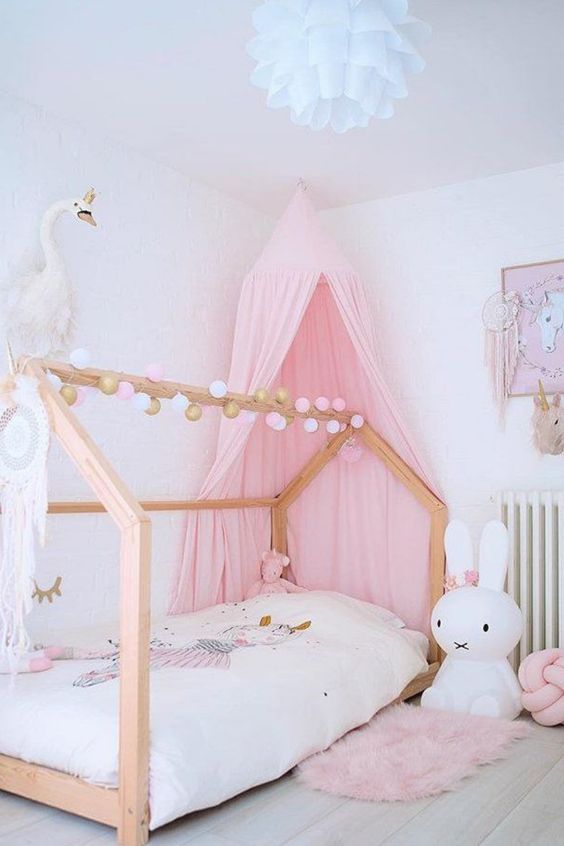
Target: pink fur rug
(406,752)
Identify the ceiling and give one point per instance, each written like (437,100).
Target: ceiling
(171,79)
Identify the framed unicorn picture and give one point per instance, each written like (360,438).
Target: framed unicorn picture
(539,290)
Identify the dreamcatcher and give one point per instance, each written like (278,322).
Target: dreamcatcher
(500,318)
(24,442)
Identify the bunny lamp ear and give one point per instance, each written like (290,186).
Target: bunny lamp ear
(458,546)
(494,550)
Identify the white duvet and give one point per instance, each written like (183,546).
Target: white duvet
(217,731)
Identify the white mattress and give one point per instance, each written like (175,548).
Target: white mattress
(216,732)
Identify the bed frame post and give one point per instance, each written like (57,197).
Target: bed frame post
(439,519)
(132,818)
(133,823)
(279,529)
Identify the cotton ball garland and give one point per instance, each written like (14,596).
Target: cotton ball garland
(311,424)
(302,405)
(80,358)
(193,412)
(272,419)
(231,409)
(179,402)
(125,391)
(68,393)
(141,401)
(333,427)
(154,372)
(55,380)
(217,389)
(261,395)
(108,383)
(321,403)
(154,407)
(81,396)
(338,404)
(357,421)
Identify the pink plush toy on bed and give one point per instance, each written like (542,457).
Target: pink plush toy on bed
(273,564)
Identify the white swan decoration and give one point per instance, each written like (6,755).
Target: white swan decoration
(39,307)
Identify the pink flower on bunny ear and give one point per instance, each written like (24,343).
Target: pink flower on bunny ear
(471,577)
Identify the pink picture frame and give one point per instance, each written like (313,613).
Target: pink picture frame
(540,287)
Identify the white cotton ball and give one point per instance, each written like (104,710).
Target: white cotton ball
(217,389)
(333,427)
(180,403)
(280,425)
(55,380)
(80,358)
(357,421)
(141,401)
(311,424)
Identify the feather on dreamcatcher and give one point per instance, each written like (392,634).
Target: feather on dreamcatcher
(500,319)
(24,443)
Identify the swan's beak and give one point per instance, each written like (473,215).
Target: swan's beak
(86,215)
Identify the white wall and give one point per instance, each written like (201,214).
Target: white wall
(158,280)
(429,260)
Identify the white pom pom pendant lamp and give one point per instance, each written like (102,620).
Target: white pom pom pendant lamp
(335,62)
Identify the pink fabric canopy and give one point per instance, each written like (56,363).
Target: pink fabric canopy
(303,322)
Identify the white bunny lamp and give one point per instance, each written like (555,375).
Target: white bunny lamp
(477,627)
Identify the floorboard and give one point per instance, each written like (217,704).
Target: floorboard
(515,802)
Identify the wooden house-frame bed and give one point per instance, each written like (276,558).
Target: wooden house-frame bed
(127,807)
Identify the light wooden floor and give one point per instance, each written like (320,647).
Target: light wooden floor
(516,802)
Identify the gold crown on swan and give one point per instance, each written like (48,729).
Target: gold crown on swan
(90,196)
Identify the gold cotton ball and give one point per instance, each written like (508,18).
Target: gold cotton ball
(289,419)
(231,409)
(282,395)
(154,408)
(108,384)
(193,412)
(261,395)
(69,394)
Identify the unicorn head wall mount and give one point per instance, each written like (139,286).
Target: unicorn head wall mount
(548,423)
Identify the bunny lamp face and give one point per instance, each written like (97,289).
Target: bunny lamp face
(480,623)
(476,623)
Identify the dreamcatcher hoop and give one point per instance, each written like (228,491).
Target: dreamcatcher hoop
(24,444)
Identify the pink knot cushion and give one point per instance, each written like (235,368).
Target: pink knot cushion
(542,678)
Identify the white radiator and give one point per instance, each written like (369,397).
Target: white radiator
(535,576)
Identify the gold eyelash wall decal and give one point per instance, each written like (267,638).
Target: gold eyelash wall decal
(54,590)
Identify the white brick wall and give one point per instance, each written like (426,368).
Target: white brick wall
(429,260)
(158,280)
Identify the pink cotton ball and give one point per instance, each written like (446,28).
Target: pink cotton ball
(81,396)
(321,403)
(154,372)
(357,421)
(302,405)
(338,404)
(125,391)
(272,419)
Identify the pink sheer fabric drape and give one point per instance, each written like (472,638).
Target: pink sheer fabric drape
(303,321)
